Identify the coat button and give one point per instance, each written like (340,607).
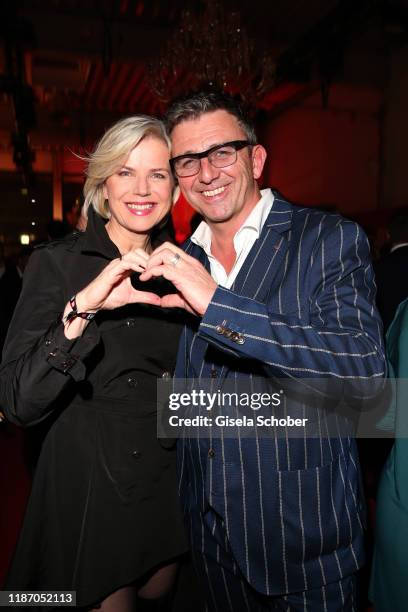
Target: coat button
(130,322)
(211,453)
(132,382)
(166,375)
(136,454)
(48,342)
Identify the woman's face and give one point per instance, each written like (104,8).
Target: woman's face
(140,192)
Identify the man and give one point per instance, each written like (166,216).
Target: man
(279,291)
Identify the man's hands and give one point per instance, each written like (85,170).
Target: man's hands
(194,286)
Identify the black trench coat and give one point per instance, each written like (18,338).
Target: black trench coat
(104,507)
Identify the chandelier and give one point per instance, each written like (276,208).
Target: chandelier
(211,48)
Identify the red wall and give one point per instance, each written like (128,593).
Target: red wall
(327,157)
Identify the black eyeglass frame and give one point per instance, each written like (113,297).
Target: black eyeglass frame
(236,144)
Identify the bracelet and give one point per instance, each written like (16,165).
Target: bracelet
(73,314)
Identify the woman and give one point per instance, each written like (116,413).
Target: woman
(85,349)
(389,575)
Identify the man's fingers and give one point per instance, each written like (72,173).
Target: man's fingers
(166,256)
(174,300)
(167,246)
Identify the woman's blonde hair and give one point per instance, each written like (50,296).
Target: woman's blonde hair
(111,153)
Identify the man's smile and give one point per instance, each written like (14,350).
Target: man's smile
(214,192)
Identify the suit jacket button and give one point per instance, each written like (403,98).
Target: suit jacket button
(211,453)
(136,454)
(214,373)
(240,339)
(132,382)
(219,329)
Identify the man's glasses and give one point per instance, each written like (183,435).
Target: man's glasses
(219,156)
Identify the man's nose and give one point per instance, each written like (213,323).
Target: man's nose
(208,172)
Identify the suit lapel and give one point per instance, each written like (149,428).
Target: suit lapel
(263,267)
(262,270)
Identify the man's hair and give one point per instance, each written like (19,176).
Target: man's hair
(398,227)
(193,105)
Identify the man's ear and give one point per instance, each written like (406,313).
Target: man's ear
(258,160)
(176,193)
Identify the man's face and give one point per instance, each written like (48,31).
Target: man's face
(220,195)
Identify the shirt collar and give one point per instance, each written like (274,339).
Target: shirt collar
(255,221)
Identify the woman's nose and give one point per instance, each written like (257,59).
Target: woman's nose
(141,186)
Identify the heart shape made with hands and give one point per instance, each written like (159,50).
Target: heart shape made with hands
(159,286)
(162,288)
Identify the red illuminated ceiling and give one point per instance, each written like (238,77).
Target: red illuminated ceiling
(87,59)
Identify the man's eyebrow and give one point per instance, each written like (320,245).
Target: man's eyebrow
(216,144)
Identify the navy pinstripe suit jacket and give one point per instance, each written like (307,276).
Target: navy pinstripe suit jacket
(304,303)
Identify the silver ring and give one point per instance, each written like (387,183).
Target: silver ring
(175,259)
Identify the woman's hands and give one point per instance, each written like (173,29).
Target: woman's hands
(112,288)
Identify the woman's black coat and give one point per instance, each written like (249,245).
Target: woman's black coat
(104,507)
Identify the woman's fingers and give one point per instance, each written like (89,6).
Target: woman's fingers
(104,291)
(137,256)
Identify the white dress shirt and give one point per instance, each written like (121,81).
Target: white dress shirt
(244,240)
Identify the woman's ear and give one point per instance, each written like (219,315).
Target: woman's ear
(176,193)
(105,191)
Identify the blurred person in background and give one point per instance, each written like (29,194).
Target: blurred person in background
(389,577)
(391,270)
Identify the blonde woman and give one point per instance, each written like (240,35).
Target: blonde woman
(84,350)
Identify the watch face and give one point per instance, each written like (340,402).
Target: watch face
(160,286)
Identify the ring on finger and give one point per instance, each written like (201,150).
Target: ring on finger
(175,259)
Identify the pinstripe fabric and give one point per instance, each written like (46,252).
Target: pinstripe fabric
(291,509)
(225,589)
